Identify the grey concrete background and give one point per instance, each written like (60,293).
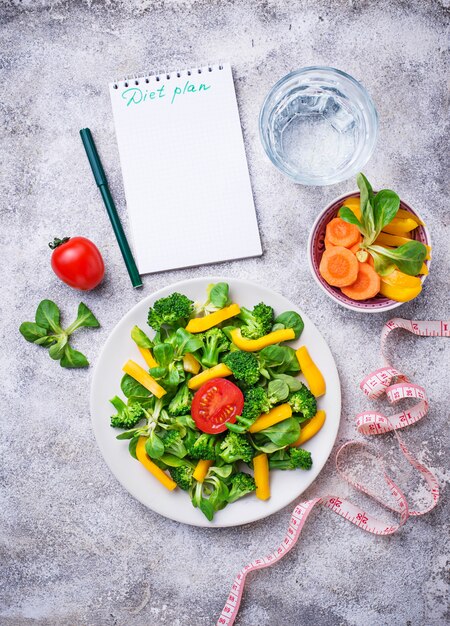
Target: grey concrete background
(75,547)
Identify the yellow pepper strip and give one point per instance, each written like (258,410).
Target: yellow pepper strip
(138,373)
(218,371)
(261,475)
(354,205)
(399,294)
(400,226)
(148,357)
(311,372)
(385,239)
(311,428)
(152,467)
(399,279)
(201,470)
(424,269)
(277,414)
(190,364)
(407,215)
(200,324)
(252,345)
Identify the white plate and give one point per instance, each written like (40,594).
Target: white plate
(285,486)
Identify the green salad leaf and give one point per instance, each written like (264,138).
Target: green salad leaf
(73,358)
(48,316)
(408,258)
(218,295)
(291,319)
(48,333)
(33,332)
(131,387)
(385,206)
(140,338)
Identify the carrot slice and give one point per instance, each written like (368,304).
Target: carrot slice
(338,266)
(366,286)
(327,242)
(340,233)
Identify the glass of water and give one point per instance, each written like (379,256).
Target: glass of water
(318,125)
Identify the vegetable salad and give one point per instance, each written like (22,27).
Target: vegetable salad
(219,403)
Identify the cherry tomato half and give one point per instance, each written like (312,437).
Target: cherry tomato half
(77,262)
(216,402)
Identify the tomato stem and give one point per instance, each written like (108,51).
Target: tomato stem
(57,242)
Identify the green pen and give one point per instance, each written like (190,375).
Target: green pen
(102,184)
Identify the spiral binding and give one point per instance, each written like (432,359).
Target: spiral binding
(145,77)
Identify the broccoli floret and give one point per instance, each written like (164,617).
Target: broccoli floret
(244,365)
(204,447)
(236,447)
(257,322)
(181,402)
(182,475)
(174,310)
(214,342)
(173,443)
(126,416)
(297,458)
(255,403)
(303,401)
(241,485)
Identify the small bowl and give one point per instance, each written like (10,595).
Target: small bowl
(318,126)
(316,247)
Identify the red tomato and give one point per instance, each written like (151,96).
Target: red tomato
(216,402)
(77,262)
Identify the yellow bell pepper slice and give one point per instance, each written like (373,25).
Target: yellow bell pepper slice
(200,324)
(261,475)
(311,372)
(424,269)
(404,214)
(253,345)
(218,371)
(400,226)
(191,364)
(311,428)
(385,239)
(138,373)
(148,357)
(201,469)
(399,294)
(399,279)
(152,467)
(354,205)
(277,414)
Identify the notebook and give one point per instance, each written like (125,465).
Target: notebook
(185,173)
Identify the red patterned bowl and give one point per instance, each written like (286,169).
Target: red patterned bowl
(316,247)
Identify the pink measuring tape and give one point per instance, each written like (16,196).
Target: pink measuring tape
(396,386)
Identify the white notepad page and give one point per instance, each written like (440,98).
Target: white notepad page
(184,168)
